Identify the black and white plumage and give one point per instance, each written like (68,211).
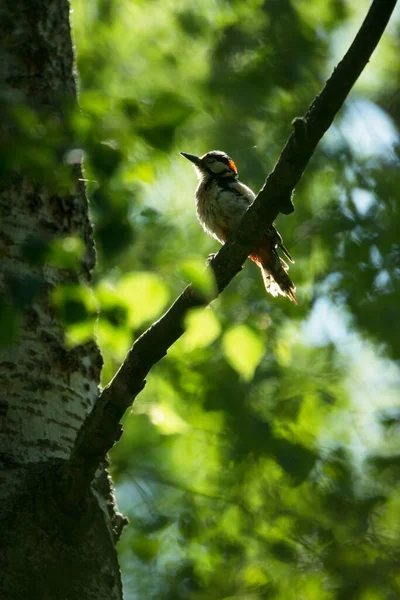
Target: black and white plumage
(221,201)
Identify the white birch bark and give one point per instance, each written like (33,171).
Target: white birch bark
(46,389)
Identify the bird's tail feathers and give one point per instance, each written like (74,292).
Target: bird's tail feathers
(279,282)
(273,267)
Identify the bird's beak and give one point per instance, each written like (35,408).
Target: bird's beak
(194,159)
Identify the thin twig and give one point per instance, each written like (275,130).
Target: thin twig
(102,427)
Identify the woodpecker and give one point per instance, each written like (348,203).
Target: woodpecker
(221,201)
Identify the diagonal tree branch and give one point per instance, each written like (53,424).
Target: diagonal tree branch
(102,427)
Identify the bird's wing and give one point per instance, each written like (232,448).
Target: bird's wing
(231,206)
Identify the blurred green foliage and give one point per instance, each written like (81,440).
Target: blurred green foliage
(261,460)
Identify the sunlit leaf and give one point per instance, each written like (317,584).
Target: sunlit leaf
(202,279)
(142,171)
(79,333)
(254,575)
(202,328)
(144,295)
(166,419)
(114,341)
(243,349)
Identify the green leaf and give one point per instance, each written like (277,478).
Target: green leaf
(66,252)
(145,548)
(283,551)
(77,309)
(202,279)
(105,159)
(243,349)
(144,294)
(295,459)
(202,328)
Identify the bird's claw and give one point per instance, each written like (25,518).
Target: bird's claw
(210,257)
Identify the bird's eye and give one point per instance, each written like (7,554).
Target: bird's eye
(210,160)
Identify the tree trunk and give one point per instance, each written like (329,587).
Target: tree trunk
(46,389)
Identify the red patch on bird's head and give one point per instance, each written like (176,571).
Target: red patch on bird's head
(232,166)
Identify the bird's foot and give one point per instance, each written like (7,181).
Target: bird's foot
(210,257)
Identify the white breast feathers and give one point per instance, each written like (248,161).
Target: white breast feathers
(220,206)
